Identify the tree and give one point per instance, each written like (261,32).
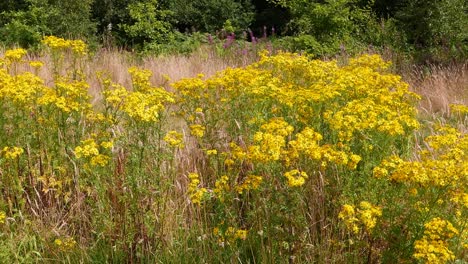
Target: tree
(64,18)
(149,23)
(210,15)
(435,27)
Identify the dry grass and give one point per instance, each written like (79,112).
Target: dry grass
(439,86)
(116,62)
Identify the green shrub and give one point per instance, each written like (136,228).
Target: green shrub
(210,15)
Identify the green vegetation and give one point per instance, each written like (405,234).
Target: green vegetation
(287,159)
(429,31)
(233,131)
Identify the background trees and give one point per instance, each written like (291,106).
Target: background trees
(433,29)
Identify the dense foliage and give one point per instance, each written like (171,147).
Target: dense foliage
(432,30)
(285,160)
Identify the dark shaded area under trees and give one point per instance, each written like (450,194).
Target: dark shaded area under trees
(431,30)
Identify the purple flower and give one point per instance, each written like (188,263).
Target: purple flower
(229,40)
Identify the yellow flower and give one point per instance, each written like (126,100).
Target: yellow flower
(221,186)
(140,79)
(368,214)
(100,160)
(196,194)
(15,54)
(65,244)
(251,182)
(459,109)
(107,144)
(12,152)
(56,43)
(36,64)
(210,152)
(241,234)
(87,148)
(174,139)
(197,130)
(433,247)
(295,178)
(348,215)
(2,217)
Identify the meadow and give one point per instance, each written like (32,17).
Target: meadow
(269,157)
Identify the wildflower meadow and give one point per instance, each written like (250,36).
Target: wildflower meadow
(284,160)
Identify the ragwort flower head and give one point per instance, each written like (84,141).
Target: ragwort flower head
(11,152)
(196,194)
(270,141)
(251,182)
(433,247)
(15,55)
(295,178)
(197,130)
(92,151)
(174,139)
(60,44)
(2,217)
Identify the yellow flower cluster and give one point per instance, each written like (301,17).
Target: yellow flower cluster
(68,95)
(358,100)
(36,64)
(372,61)
(144,104)
(443,165)
(366,215)
(306,143)
(211,152)
(197,130)
(2,217)
(65,244)
(196,194)
(140,79)
(348,215)
(90,149)
(12,152)
(270,141)
(56,43)
(433,247)
(22,89)
(295,178)
(221,187)
(230,235)
(459,109)
(174,139)
(251,182)
(15,55)
(28,91)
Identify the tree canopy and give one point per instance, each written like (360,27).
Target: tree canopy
(433,25)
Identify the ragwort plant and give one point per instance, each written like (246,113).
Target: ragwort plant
(289,140)
(85,176)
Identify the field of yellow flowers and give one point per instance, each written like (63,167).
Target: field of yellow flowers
(286,160)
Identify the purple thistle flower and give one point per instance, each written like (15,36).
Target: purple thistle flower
(229,40)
